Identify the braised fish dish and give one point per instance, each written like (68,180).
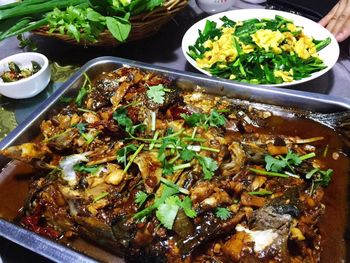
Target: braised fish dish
(154,173)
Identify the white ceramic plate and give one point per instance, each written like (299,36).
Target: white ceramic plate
(329,54)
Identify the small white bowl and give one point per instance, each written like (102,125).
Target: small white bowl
(27,87)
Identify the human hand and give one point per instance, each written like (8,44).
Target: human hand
(337,21)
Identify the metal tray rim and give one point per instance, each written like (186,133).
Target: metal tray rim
(321,98)
(61,253)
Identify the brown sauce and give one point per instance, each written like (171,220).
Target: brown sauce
(16,176)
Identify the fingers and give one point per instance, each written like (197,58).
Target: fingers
(325,20)
(344,33)
(337,21)
(340,18)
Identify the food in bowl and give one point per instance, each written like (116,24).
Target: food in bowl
(258,51)
(16,73)
(158,174)
(24,75)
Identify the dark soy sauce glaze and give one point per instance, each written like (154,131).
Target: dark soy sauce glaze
(16,177)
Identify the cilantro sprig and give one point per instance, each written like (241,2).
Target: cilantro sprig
(141,197)
(166,206)
(214,119)
(86,135)
(157,93)
(123,120)
(122,153)
(85,89)
(209,166)
(319,178)
(222,213)
(80,167)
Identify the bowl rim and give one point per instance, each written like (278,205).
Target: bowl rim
(20,55)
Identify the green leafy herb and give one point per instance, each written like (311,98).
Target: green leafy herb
(82,130)
(319,176)
(77,22)
(140,198)
(123,120)
(122,153)
(167,205)
(167,168)
(209,166)
(222,213)
(84,90)
(166,212)
(119,27)
(156,93)
(278,165)
(167,191)
(214,119)
(175,186)
(187,155)
(26,42)
(87,169)
(186,205)
(121,116)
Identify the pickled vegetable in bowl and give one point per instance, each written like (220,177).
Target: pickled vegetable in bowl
(16,73)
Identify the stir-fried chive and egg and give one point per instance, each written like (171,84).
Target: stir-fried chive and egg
(266,51)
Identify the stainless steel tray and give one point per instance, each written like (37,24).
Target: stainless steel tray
(27,131)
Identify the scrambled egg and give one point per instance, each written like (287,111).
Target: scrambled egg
(222,49)
(268,40)
(287,76)
(305,48)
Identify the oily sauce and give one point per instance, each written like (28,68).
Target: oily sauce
(16,177)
